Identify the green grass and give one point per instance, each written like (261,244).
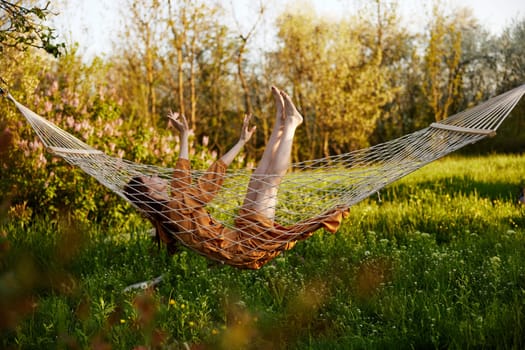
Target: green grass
(439,262)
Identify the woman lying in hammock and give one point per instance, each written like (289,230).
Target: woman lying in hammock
(256,238)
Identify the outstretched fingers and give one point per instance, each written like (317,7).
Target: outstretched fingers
(247,132)
(179,121)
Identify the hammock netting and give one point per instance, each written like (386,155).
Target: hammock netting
(310,189)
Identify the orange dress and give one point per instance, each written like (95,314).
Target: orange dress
(253,242)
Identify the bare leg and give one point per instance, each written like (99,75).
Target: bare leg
(262,191)
(269,151)
(281,157)
(266,199)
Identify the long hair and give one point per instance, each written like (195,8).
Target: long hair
(144,198)
(141,196)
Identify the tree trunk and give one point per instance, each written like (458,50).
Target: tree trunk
(180,75)
(244,85)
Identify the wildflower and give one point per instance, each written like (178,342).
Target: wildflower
(172,302)
(70,122)
(42,159)
(191,324)
(34,145)
(48,106)
(122,321)
(108,129)
(214,331)
(53,88)
(495,261)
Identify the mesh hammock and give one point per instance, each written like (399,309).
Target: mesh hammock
(203,212)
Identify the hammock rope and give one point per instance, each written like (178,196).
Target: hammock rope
(310,191)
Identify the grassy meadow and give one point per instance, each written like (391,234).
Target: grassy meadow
(436,261)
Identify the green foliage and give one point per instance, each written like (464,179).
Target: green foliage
(342,105)
(438,263)
(22,27)
(442,64)
(512,54)
(70,95)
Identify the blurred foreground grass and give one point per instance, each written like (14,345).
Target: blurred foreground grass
(437,262)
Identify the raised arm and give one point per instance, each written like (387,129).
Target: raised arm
(181,176)
(181,124)
(246,134)
(211,182)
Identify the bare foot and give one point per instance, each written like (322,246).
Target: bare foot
(291,113)
(279,105)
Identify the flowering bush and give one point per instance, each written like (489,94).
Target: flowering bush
(92,112)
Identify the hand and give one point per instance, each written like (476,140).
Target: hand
(179,121)
(247,132)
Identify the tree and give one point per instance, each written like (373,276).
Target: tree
(511,58)
(396,50)
(23,26)
(137,60)
(178,55)
(244,39)
(189,24)
(511,73)
(303,39)
(337,76)
(442,64)
(200,56)
(477,63)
